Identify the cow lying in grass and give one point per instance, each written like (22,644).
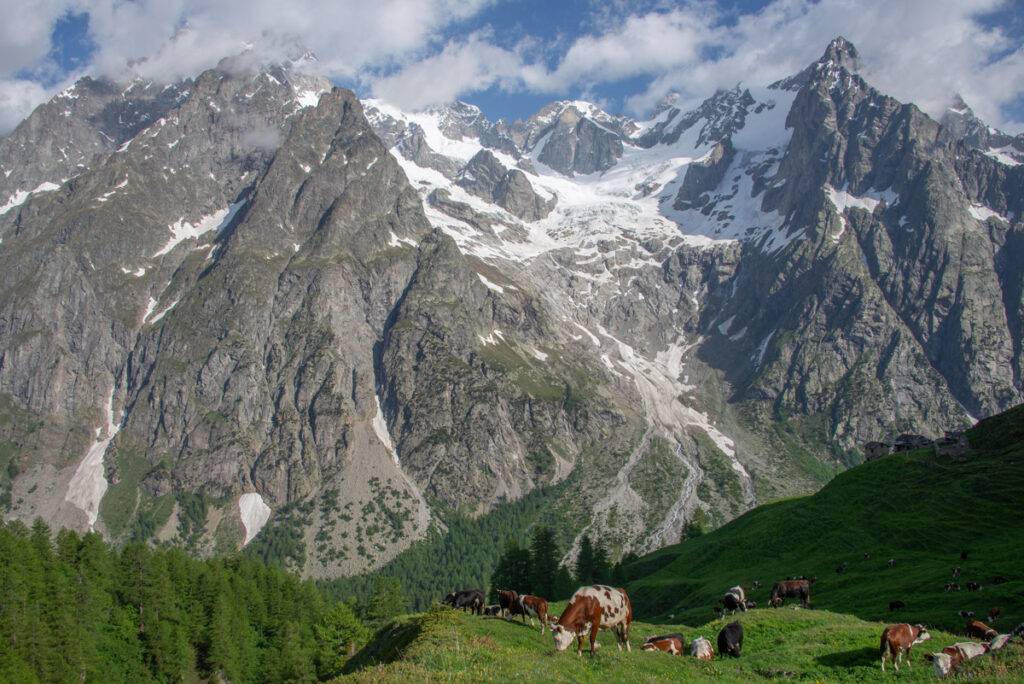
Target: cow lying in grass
(952,656)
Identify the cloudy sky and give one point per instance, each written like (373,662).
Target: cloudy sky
(510,57)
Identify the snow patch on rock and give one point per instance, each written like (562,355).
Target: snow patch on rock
(254,513)
(89,483)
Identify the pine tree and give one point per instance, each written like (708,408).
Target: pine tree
(543,562)
(339,634)
(585,562)
(602,567)
(388,600)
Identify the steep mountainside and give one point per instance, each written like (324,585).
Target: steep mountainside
(237,298)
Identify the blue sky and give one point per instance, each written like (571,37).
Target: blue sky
(510,57)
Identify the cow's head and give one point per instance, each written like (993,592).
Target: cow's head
(941,662)
(922,634)
(563,637)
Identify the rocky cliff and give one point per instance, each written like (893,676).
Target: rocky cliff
(249,297)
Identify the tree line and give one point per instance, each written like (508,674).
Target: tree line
(73,608)
(535,569)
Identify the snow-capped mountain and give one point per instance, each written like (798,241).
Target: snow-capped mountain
(352,321)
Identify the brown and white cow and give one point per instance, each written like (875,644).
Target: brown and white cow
(952,656)
(979,630)
(790,588)
(672,644)
(531,606)
(899,638)
(701,649)
(592,608)
(506,599)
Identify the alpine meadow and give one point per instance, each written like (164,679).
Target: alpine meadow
(306,383)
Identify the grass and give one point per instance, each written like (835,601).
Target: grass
(445,645)
(917,508)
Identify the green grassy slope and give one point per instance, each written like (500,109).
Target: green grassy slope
(918,509)
(444,645)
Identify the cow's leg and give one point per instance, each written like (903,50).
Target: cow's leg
(594,643)
(579,644)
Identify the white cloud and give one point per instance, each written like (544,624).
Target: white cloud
(419,52)
(461,67)
(921,51)
(17,100)
(25,32)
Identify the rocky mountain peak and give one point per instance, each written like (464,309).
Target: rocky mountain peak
(843,54)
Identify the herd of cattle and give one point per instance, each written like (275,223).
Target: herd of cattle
(602,607)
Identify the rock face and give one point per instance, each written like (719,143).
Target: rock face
(249,290)
(510,189)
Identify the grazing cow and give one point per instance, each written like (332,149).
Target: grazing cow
(973,586)
(701,649)
(899,638)
(751,603)
(896,605)
(506,599)
(891,562)
(531,606)
(467,598)
(757,584)
(963,555)
(952,656)
(734,600)
(979,630)
(839,570)
(590,609)
(672,644)
(790,588)
(730,640)
(952,586)
(492,610)
(956,572)
(867,556)
(1019,630)
(998,579)
(993,613)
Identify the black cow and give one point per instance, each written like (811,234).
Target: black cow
(466,598)
(730,640)
(732,603)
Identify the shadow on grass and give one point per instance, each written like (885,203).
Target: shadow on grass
(863,657)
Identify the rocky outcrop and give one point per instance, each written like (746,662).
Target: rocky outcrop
(510,189)
(578,144)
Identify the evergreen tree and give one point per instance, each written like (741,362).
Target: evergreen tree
(585,562)
(564,584)
(511,572)
(339,634)
(619,574)
(543,562)
(602,567)
(388,601)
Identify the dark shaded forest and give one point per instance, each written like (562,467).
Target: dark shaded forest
(74,609)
